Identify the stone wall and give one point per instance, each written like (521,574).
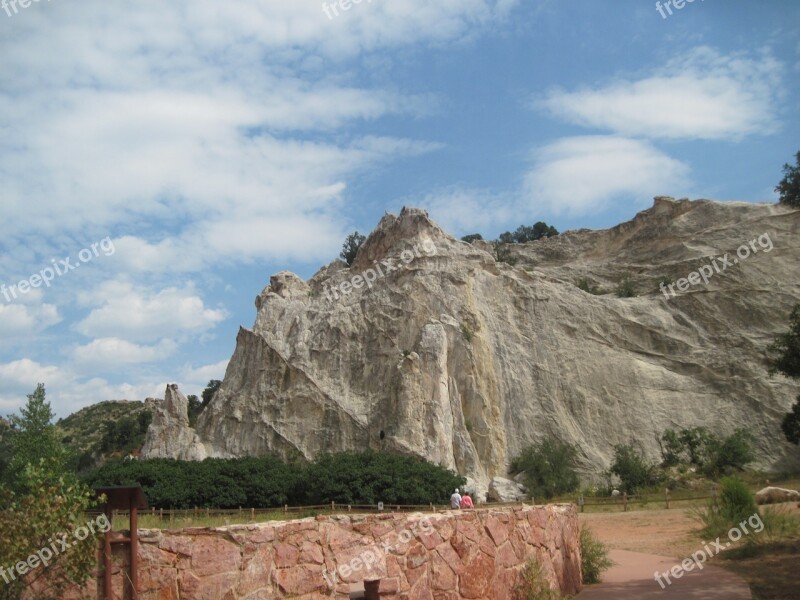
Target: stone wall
(449,555)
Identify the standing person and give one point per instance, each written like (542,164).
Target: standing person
(466,501)
(455,500)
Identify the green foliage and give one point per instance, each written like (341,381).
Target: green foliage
(502,253)
(265,482)
(584,284)
(626,288)
(533,585)
(371,477)
(210,391)
(549,467)
(472,237)
(125,434)
(350,248)
(785,349)
(466,333)
(785,359)
(195,408)
(732,453)
(34,440)
(30,522)
(699,447)
(736,502)
(789,186)
(791,424)
(633,470)
(594,556)
(525,233)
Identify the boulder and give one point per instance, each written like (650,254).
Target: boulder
(774,495)
(505,490)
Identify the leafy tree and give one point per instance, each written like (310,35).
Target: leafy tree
(633,470)
(29,524)
(785,359)
(671,448)
(143,420)
(699,444)
(350,248)
(34,440)
(195,408)
(789,186)
(791,424)
(210,391)
(732,453)
(502,253)
(550,468)
(472,237)
(526,233)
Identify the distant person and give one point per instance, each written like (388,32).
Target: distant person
(455,500)
(466,501)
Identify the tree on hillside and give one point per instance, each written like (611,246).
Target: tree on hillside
(785,359)
(789,187)
(633,470)
(34,439)
(525,233)
(350,248)
(472,237)
(210,391)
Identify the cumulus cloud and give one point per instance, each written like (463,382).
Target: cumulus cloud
(144,315)
(104,353)
(580,175)
(701,94)
(23,320)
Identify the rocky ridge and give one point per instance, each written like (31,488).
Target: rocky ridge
(428,345)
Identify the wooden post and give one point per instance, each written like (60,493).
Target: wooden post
(625,501)
(107,588)
(134,551)
(333,506)
(666,496)
(252,514)
(582,503)
(285,508)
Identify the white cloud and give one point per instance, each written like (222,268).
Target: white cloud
(580,175)
(143,315)
(700,94)
(21,319)
(197,378)
(110,353)
(461,211)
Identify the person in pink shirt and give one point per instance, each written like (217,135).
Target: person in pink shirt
(466,501)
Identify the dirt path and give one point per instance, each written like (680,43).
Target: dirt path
(647,542)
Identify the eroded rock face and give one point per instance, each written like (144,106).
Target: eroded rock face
(428,345)
(169,435)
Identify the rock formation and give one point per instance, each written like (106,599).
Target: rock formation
(430,346)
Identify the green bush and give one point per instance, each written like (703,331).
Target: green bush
(550,468)
(472,237)
(789,186)
(732,453)
(583,284)
(734,505)
(266,482)
(594,556)
(736,502)
(626,288)
(533,585)
(633,470)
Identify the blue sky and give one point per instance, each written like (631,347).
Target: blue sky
(212,144)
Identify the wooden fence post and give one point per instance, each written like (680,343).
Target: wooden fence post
(625,501)
(666,496)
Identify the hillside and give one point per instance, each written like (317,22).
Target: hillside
(114,427)
(430,346)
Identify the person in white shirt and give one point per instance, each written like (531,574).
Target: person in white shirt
(455,500)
